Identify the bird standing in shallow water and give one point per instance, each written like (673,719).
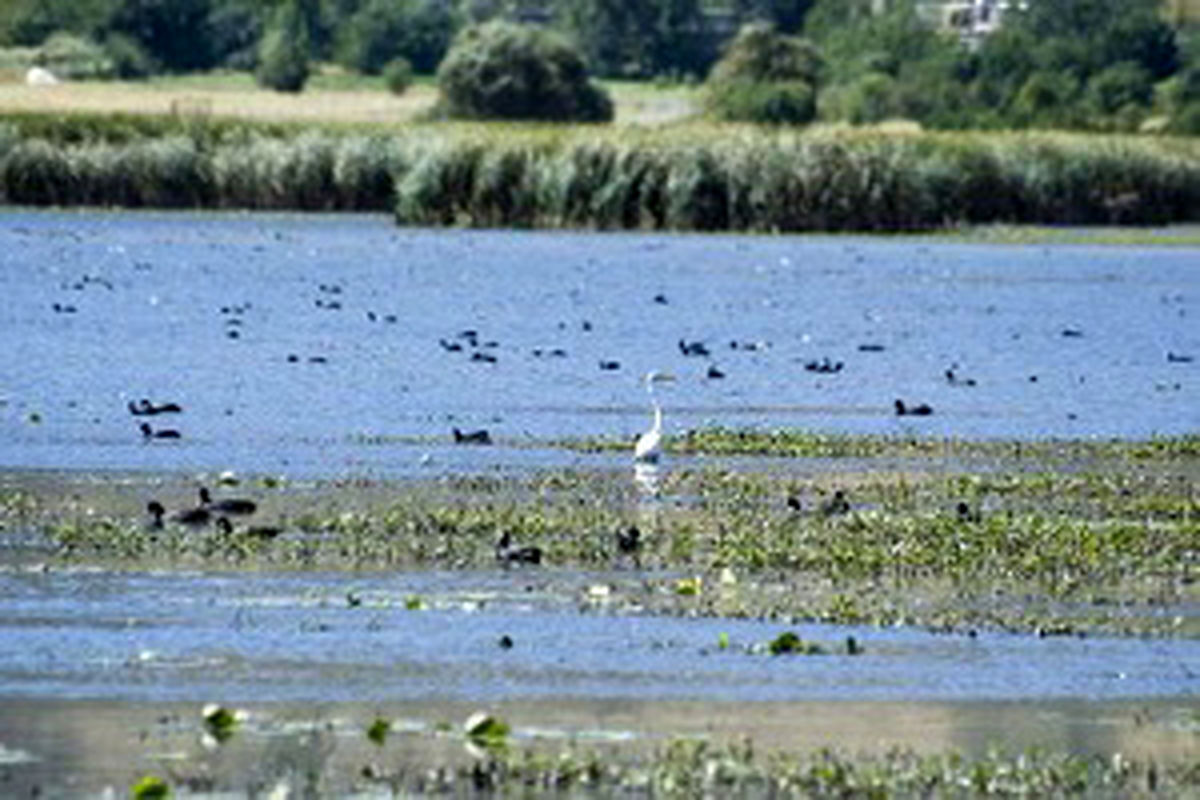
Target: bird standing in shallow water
(648,448)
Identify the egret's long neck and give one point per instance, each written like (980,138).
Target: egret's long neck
(657,407)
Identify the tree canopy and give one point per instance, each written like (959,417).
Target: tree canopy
(1101,64)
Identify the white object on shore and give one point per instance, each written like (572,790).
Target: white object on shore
(40,76)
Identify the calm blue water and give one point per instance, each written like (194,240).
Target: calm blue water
(294,637)
(337,365)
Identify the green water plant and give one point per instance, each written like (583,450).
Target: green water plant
(150,787)
(378,730)
(219,722)
(789,642)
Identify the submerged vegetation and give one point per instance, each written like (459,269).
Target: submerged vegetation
(1090,536)
(691,177)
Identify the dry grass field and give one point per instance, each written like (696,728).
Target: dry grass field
(329,98)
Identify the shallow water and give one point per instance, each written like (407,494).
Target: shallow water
(337,365)
(337,638)
(103,309)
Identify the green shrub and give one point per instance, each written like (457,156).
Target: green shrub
(870,98)
(1045,97)
(129,59)
(776,102)
(766,77)
(72,57)
(283,52)
(504,71)
(760,53)
(398,75)
(1123,84)
(1186,120)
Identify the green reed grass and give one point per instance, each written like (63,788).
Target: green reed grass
(696,176)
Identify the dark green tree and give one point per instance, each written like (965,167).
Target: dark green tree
(639,38)
(765,76)
(786,15)
(283,52)
(500,70)
(29,22)
(173,32)
(381,30)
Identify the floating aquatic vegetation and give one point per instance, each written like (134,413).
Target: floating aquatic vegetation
(219,722)
(150,787)
(487,732)
(790,642)
(378,730)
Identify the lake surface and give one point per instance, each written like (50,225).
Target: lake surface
(337,346)
(318,345)
(319,637)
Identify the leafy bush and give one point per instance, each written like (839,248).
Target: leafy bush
(398,75)
(776,102)
(283,53)
(870,98)
(69,56)
(504,71)
(765,76)
(1045,97)
(1123,84)
(129,59)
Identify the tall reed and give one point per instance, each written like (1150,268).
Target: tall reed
(693,177)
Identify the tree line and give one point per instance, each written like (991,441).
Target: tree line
(1099,64)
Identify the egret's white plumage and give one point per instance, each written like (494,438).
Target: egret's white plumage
(648,448)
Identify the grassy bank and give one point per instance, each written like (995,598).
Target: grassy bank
(1059,538)
(692,176)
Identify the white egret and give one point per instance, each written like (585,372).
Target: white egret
(648,448)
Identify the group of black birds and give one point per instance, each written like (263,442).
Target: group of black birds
(211,512)
(146,408)
(510,553)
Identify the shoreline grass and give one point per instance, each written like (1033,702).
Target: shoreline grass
(694,176)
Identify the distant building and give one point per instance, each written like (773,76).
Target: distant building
(970,19)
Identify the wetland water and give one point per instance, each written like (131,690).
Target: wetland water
(318,345)
(322,347)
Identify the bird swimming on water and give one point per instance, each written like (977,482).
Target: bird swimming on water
(144,408)
(919,410)
(480,436)
(162,433)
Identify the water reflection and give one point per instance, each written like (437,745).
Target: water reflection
(648,478)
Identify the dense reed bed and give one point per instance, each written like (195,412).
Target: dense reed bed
(687,177)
